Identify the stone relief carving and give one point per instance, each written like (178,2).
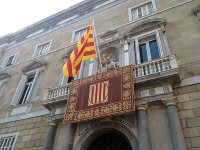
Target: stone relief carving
(109,59)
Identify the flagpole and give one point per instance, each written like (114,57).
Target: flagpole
(97,43)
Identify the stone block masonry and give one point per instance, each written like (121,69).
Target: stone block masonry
(32,132)
(189,114)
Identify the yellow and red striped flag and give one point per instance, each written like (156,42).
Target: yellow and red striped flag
(84,50)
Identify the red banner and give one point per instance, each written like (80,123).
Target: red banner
(101,95)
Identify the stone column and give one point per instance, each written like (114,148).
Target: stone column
(69,136)
(177,137)
(49,140)
(144,142)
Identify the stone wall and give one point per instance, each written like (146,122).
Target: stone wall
(32,132)
(189,112)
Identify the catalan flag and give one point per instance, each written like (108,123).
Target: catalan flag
(84,50)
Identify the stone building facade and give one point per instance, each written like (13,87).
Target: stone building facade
(160,38)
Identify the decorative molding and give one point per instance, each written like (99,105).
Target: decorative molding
(146,26)
(196,10)
(169,101)
(25,116)
(141,105)
(34,65)
(109,35)
(4,75)
(53,122)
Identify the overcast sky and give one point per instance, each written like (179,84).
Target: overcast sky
(18,14)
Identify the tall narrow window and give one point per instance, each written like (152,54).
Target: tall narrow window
(10,60)
(26,91)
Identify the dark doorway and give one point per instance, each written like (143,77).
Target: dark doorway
(109,141)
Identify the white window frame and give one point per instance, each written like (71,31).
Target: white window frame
(36,47)
(161,49)
(6,59)
(22,84)
(2,86)
(15,135)
(130,16)
(74,33)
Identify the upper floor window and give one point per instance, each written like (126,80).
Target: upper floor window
(7,141)
(29,83)
(77,34)
(10,60)
(26,91)
(42,48)
(141,10)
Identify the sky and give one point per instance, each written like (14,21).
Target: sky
(18,14)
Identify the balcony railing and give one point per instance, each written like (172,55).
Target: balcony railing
(146,72)
(154,66)
(57,94)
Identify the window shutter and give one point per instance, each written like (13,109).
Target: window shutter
(35,85)
(5,61)
(160,46)
(19,90)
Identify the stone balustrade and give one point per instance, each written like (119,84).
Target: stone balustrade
(151,71)
(154,66)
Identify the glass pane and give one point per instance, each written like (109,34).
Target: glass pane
(10,61)
(134,14)
(143,53)
(24,92)
(11,144)
(90,69)
(154,50)
(5,142)
(8,143)
(150,8)
(70,79)
(139,12)
(126,59)
(144,9)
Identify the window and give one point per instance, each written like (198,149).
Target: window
(77,34)
(141,10)
(29,83)
(7,141)
(26,91)
(42,48)
(10,60)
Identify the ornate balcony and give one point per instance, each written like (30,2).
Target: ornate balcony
(151,72)
(158,70)
(55,96)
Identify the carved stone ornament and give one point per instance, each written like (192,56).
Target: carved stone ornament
(4,75)
(196,10)
(66,55)
(53,122)
(109,35)
(141,105)
(169,101)
(109,59)
(34,65)
(146,26)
